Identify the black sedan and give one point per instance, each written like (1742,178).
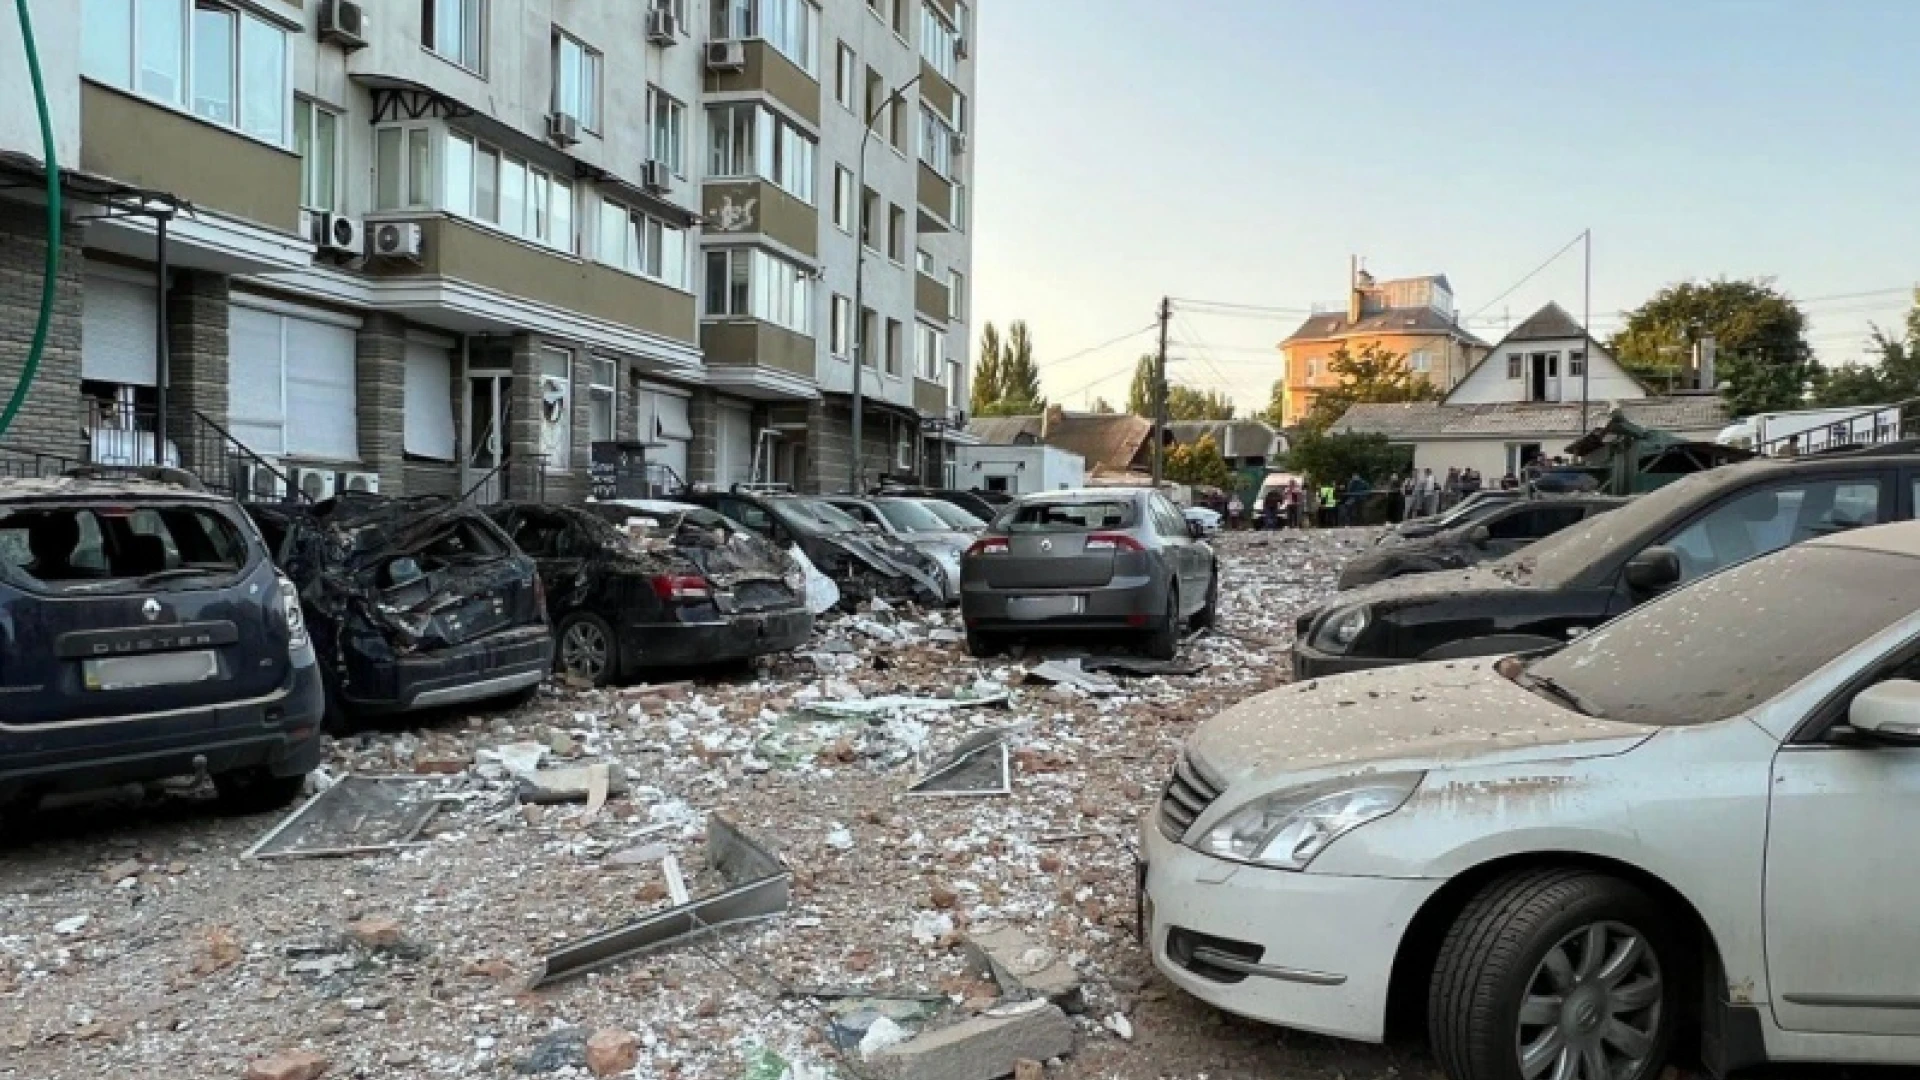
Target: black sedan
(1575,580)
(630,598)
(1470,509)
(1506,528)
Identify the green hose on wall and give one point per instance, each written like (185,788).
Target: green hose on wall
(52,271)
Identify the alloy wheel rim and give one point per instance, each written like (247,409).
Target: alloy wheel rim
(1592,1009)
(585,650)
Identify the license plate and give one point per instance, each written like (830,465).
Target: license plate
(158,669)
(1045,607)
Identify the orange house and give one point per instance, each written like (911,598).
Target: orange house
(1413,317)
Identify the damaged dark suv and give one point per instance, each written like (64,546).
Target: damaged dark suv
(413,603)
(654,594)
(145,634)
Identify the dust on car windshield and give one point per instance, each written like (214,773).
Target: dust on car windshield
(1069,516)
(80,548)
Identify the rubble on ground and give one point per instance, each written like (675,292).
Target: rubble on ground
(138,941)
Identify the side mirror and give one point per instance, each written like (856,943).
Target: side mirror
(1888,711)
(1196,530)
(1479,536)
(1654,569)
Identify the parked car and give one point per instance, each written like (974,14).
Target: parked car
(913,524)
(1508,526)
(1096,559)
(648,594)
(863,564)
(1686,832)
(981,504)
(956,517)
(1467,510)
(413,603)
(1207,519)
(1575,580)
(145,634)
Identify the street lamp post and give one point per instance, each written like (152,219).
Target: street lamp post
(854,471)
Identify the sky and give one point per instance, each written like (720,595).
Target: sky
(1239,151)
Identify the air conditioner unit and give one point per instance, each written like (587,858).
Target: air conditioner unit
(314,485)
(338,232)
(342,23)
(727,56)
(959,48)
(662,27)
(398,240)
(563,128)
(365,482)
(655,176)
(959,143)
(255,481)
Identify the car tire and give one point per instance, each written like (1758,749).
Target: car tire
(256,791)
(982,645)
(1209,613)
(1163,641)
(581,638)
(1551,962)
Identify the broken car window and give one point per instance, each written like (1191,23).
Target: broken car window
(1736,639)
(955,517)
(80,546)
(910,515)
(1068,516)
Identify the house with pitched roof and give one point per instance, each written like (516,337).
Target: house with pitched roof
(1545,359)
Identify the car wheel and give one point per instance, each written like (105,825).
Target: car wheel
(256,791)
(1163,641)
(982,645)
(1557,974)
(1209,613)
(587,649)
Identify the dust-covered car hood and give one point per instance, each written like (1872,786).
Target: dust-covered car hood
(1422,716)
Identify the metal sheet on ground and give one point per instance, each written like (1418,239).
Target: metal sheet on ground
(357,815)
(977,766)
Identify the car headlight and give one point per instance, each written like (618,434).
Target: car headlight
(1341,629)
(1287,829)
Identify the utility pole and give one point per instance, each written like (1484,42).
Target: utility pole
(1586,328)
(1160,396)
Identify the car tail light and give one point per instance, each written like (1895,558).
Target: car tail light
(1113,542)
(681,587)
(296,619)
(989,546)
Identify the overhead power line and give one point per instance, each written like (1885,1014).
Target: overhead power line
(1091,349)
(1535,272)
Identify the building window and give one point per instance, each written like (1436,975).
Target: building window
(897,124)
(939,42)
(456,31)
(929,351)
(956,295)
(601,401)
(750,283)
(403,168)
(894,331)
(667,118)
(962,21)
(936,142)
(922,262)
(868,321)
(958,218)
(899,19)
(641,244)
(841,329)
(576,81)
(1420,361)
(1515,363)
(486,184)
(846,74)
(753,140)
(843,199)
(791,26)
(897,234)
(1576,363)
(225,65)
(876,94)
(556,408)
(959,116)
(1313,368)
(869,216)
(316,138)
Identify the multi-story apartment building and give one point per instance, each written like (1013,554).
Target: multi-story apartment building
(433,244)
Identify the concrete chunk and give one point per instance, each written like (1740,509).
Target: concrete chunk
(987,1047)
(572,784)
(1023,967)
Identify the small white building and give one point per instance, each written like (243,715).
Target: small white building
(1018,469)
(1502,437)
(1543,360)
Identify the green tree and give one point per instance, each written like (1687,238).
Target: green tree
(1762,352)
(1374,375)
(1276,410)
(988,377)
(1199,462)
(1894,376)
(1333,459)
(1017,389)
(1140,391)
(1183,402)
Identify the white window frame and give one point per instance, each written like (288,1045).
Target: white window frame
(923,264)
(603,394)
(929,347)
(936,141)
(840,327)
(939,42)
(668,113)
(792,27)
(896,344)
(643,240)
(778,292)
(560,455)
(1420,361)
(846,77)
(415,192)
(1576,363)
(845,207)
(751,140)
(140,45)
(585,108)
(1516,366)
(956,290)
(550,226)
(310,166)
(896,234)
(469,51)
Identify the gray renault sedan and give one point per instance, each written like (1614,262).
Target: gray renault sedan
(1095,559)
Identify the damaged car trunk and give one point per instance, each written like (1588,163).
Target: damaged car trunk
(862,563)
(413,603)
(657,590)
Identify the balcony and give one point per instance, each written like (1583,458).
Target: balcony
(759,359)
(462,251)
(756,206)
(931,299)
(929,398)
(935,91)
(935,194)
(770,73)
(150,146)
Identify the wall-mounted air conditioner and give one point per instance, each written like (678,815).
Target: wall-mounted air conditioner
(366,482)
(563,128)
(257,482)
(727,56)
(315,485)
(342,23)
(655,176)
(662,27)
(398,240)
(339,233)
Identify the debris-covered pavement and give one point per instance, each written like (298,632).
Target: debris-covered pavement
(992,907)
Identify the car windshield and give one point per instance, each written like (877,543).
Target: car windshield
(1558,560)
(910,515)
(89,548)
(1733,640)
(1065,516)
(815,515)
(955,517)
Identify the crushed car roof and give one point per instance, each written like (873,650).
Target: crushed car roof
(70,487)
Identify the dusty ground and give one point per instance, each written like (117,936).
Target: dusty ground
(136,941)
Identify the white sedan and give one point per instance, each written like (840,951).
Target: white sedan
(1207,519)
(1694,823)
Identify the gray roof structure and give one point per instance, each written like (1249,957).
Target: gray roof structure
(1414,320)
(1417,420)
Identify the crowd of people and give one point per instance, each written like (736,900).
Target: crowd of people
(1419,493)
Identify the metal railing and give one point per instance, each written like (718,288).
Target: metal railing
(119,441)
(1873,426)
(522,478)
